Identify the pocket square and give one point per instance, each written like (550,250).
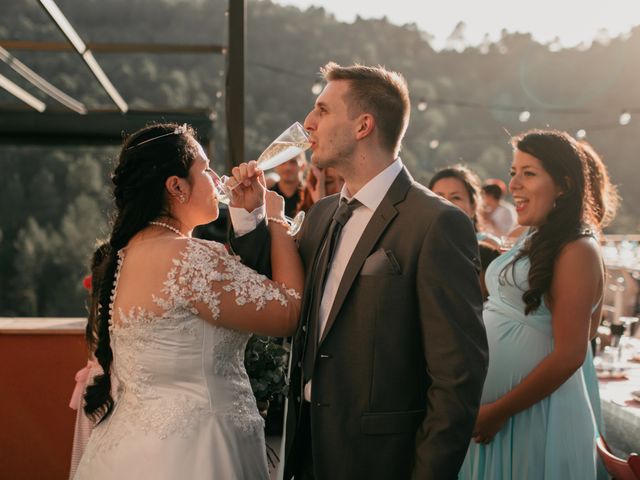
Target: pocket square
(381,262)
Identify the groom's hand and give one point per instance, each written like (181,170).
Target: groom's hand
(249,194)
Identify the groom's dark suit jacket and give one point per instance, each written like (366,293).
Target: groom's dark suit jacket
(400,367)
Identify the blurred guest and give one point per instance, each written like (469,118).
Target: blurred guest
(320,183)
(498,215)
(461,186)
(535,421)
(605,202)
(290,183)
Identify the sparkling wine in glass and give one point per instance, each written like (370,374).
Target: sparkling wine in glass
(289,144)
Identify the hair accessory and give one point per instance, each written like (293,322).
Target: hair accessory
(179,130)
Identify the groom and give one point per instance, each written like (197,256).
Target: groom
(390,354)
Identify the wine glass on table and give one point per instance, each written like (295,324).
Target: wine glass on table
(289,144)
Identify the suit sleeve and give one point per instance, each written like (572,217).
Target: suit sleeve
(454,342)
(253,248)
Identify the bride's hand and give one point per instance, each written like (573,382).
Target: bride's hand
(274,204)
(249,194)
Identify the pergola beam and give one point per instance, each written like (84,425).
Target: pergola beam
(68,31)
(102,47)
(41,84)
(235,82)
(23,127)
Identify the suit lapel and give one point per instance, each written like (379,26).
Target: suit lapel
(316,238)
(381,218)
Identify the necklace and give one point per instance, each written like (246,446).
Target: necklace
(169,227)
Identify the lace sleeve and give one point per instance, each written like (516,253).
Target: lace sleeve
(222,289)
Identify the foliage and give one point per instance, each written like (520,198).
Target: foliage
(54,201)
(266,362)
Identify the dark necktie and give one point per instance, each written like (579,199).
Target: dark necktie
(322,265)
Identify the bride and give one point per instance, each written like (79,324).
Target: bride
(170,319)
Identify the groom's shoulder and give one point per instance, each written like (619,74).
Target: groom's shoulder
(420,196)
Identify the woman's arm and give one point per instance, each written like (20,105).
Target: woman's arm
(286,266)
(576,286)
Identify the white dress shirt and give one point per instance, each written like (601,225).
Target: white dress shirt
(370,195)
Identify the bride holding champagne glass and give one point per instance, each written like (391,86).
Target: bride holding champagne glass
(289,144)
(170,317)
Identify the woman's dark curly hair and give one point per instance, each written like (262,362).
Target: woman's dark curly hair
(572,215)
(147,158)
(606,199)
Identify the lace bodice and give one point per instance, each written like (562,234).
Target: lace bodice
(173,362)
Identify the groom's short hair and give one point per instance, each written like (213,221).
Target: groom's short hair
(380,92)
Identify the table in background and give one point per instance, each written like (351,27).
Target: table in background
(38,361)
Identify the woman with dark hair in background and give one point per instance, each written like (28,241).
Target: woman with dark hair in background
(461,186)
(170,317)
(545,298)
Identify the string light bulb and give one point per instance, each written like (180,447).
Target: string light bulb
(625,118)
(422,105)
(524,116)
(580,134)
(433,144)
(316,88)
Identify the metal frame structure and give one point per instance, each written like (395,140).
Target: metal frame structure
(81,125)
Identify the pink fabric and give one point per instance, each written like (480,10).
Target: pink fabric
(82,377)
(84,426)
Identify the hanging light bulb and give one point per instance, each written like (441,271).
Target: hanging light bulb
(524,116)
(625,118)
(433,144)
(219,94)
(316,88)
(422,105)
(580,134)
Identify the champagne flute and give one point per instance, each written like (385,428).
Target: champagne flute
(222,194)
(290,143)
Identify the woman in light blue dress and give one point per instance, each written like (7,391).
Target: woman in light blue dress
(536,420)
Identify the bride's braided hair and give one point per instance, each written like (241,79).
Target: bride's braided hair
(148,157)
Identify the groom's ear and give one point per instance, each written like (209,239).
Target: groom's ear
(365,125)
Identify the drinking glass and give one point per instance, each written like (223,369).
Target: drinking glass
(222,193)
(290,143)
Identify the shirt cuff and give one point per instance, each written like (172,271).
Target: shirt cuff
(244,222)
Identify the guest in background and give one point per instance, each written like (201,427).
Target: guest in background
(290,183)
(498,215)
(461,186)
(320,183)
(605,201)
(535,421)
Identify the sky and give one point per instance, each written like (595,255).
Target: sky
(573,21)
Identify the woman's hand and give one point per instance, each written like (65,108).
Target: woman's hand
(249,194)
(318,190)
(274,204)
(489,422)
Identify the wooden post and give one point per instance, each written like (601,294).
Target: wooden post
(235,83)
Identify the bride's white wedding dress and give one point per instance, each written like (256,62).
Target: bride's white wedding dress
(184,406)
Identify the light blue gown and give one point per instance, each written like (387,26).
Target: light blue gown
(553,439)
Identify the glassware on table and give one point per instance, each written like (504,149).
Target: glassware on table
(289,144)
